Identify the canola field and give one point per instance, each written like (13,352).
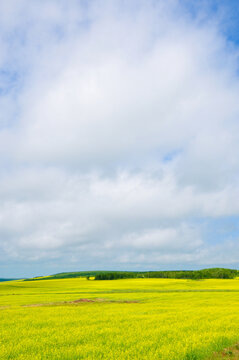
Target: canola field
(120,319)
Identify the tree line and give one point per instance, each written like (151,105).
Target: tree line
(213,273)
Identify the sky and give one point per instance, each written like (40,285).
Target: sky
(119,135)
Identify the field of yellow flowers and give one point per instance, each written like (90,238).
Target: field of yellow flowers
(149,319)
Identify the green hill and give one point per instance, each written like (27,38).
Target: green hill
(212,273)
(68,275)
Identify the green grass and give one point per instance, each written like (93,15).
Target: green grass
(172,320)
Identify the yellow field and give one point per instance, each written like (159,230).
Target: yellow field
(170,320)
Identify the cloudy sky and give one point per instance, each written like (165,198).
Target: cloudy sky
(119,135)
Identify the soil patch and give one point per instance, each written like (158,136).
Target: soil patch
(83,300)
(228,353)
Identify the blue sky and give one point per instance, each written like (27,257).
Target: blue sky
(227,11)
(119,139)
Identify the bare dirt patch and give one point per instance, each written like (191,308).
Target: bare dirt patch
(228,353)
(83,300)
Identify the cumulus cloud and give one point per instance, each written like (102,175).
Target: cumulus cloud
(118,135)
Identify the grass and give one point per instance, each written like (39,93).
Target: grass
(126,319)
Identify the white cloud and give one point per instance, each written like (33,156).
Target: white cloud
(164,240)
